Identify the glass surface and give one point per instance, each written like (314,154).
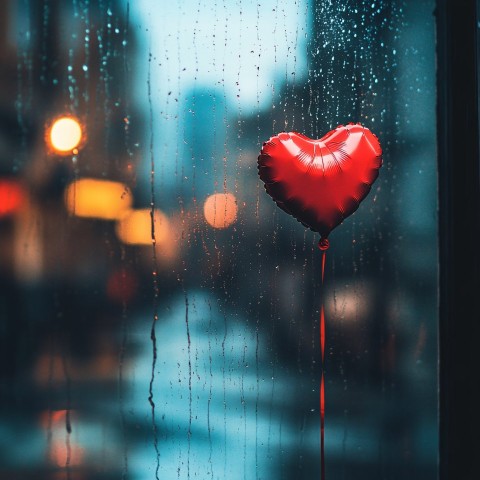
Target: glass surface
(159,314)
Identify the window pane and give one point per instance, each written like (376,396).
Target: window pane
(160,315)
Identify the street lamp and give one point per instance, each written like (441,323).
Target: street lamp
(65,135)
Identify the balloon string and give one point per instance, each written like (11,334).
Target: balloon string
(322,380)
(322,426)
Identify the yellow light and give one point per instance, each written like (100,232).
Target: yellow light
(93,198)
(220,210)
(136,228)
(65,135)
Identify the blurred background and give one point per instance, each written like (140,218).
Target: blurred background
(159,315)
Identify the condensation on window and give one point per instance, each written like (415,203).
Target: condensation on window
(159,314)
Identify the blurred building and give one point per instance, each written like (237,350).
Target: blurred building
(61,271)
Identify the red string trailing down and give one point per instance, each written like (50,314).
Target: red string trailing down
(323,245)
(322,334)
(322,425)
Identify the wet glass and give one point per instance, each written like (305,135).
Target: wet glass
(159,314)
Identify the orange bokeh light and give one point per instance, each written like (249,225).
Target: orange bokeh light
(136,227)
(94,198)
(65,135)
(220,210)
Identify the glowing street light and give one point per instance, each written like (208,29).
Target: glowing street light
(65,135)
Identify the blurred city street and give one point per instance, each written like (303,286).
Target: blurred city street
(159,314)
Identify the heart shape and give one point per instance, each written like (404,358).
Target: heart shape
(321,182)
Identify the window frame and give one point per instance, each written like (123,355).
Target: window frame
(459,231)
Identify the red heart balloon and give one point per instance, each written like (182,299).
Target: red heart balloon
(321,182)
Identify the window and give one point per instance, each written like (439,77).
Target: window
(160,315)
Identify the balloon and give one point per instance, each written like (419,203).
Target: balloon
(320,182)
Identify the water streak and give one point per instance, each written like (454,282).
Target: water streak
(153,336)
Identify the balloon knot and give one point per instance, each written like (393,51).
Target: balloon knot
(323,244)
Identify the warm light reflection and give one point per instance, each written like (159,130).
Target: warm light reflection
(93,198)
(350,303)
(220,210)
(12,197)
(136,227)
(61,452)
(65,134)
(50,368)
(28,255)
